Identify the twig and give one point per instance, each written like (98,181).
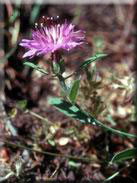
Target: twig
(39,117)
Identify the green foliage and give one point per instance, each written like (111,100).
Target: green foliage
(95,58)
(74,91)
(35,12)
(112,176)
(51,142)
(68,109)
(74,164)
(62,66)
(36,67)
(65,88)
(92,101)
(15,15)
(22,104)
(55,67)
(120,157)
(90,74)
(124,155)
(58,67)
(98,43)
(75,112)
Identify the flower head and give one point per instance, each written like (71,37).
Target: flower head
(49,36)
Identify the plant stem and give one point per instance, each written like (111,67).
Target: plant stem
(49,153)
(62,83)
(70,75)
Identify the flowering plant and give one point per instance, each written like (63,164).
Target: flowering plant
(50,37)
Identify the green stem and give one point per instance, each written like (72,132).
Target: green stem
(62,83)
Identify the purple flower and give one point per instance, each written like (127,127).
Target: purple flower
(50,36)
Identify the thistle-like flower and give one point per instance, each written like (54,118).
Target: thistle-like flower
(49,37)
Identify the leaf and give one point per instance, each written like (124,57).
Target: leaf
(56,67)
(74,164)
(36,67)
(114,131)
(22,104)
(92,59)
(51,142)
(75,112)
(30,64)
(13,113)
(35,12)
(124,155)
(15,15)
(112,176)
(98,43)
(68,109)
(74,91)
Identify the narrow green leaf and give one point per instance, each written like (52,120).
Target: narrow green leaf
(112,176)
(74,164)
(97,57)
(74,91)
(124,155)
(35,12)
(114,131)
(75,112)
(30,65)
(36,67)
